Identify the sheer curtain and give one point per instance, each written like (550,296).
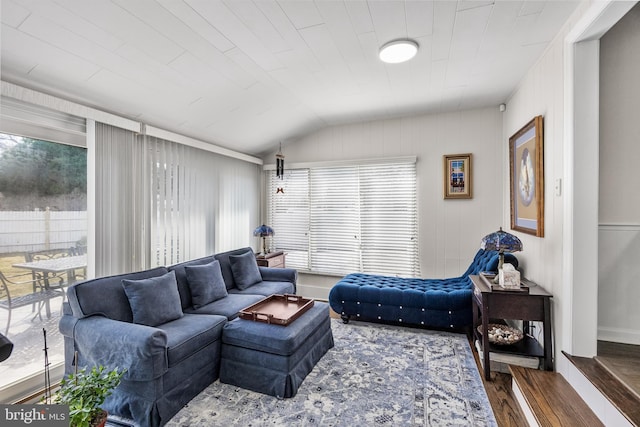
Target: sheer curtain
(161,202)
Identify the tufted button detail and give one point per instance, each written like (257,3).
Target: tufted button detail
(422,323)
(399,320)
(400,307)
(379,318)
(449,310)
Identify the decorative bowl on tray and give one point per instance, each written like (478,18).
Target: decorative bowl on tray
(503,334)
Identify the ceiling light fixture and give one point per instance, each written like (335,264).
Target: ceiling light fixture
(398,51)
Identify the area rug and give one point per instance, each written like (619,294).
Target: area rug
(376,375)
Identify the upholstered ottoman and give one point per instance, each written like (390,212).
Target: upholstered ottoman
(274,359)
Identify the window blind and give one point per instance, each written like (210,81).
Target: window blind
(343,219)
(289,216)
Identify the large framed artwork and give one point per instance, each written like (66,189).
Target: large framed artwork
(457,176)
(526,156)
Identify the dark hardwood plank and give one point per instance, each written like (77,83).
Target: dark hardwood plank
(552,399)
(620,396)
(623,361)
(505,407)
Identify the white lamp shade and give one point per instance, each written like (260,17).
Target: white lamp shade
(398,51)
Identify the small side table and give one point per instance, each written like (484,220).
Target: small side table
(532,306)
(272,259)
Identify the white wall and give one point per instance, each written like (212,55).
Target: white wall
(449,230)
(619,205)
(541,92)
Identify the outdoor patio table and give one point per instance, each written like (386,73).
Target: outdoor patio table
(56,265)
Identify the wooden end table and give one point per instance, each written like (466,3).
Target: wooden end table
(272,259)
(491,304)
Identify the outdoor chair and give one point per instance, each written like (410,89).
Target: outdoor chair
(39,296)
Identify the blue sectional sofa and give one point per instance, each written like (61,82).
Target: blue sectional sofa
(444,303)
(164,326)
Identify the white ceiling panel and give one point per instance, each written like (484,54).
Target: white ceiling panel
(219,15)
(111,17)
(246,74)
(198,24)
(303,14)
(389,20)
(419,18)
(13,14)
(468,31)
(360,16)
(258,23)
(73,23)
(444,18)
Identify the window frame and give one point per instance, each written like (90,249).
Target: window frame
(371,252)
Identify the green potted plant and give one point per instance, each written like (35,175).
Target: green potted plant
(84,392)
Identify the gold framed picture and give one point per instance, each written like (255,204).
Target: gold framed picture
(526,167)
(457,179)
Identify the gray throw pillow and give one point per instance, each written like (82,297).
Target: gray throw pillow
(154,301)
(205,283)
(245,270)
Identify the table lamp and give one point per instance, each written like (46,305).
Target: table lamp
(502,242)
(263,231)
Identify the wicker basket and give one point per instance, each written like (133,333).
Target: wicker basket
(503,334)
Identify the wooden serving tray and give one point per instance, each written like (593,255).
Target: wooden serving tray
(277,309)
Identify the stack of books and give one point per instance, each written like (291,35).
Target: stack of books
(500,362)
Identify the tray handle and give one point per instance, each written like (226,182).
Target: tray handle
(293,298)
(261,317)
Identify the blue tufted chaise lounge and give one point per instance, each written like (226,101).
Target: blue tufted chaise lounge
(443,303)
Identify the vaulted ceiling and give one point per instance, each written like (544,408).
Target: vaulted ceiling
(246,74)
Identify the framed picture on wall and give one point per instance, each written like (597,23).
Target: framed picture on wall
(526,156)
(457,176)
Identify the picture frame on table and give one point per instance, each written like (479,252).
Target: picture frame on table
(457,178)
(526,172)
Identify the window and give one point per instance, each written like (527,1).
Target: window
(344,219)
(43,217)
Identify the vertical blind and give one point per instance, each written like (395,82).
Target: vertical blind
(161,202)
(337,220)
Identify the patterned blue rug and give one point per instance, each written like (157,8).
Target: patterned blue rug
(376,375)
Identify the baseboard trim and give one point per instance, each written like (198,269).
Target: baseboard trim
(524,406)
(315,292)
(624,336)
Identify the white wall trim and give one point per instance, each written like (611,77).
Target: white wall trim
(45,100)
(581,109)
(625,336)
(337,163)
(91,198)
(196,143)
(619,227)
(20,93)
(524,406)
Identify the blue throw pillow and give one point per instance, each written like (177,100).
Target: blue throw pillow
(154,301)
(245,270)
(205,283)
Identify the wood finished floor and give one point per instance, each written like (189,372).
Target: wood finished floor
(505,408)
(623,361)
